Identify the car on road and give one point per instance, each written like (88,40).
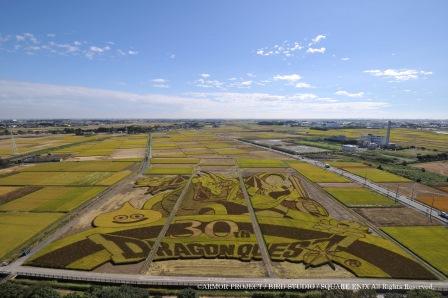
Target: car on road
(443,214)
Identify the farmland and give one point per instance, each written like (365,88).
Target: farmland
(261,163)
(427,242)
(58,178)
(28,144)
(316,174)
(17,228)
(359,197)
(53,199)
(402,136)
(76,166)
(376,175)
(45,192)
(198,187)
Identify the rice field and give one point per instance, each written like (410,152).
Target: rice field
(376,175)
(80,166)
(57,179)
(28,144)
(261,163)
(359,197)
(18,228)
(169,171)
(315,173)
(53,199)
(429,243)
(161,160)
(402,136)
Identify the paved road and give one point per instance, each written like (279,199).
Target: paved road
(378,188)
(257,283)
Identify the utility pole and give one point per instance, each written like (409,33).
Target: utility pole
(13,143)
(413,191)
(396,193)
(432,207)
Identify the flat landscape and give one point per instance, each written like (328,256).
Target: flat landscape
(198,209)
(42,194)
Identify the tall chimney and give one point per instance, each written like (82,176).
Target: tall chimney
(387,140)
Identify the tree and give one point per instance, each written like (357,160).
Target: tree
(117,292)
(12,290)
(75,295)
(42,291)
(188,293)
(423,293)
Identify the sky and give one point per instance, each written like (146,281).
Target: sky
(250,59)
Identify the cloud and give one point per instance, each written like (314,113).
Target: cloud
(205,81)
(30,100)
(345,58)
(94,51)
(398,75)
(317,39)
(286,49)
(303,85)
(291,78)
(172,56)
(349,94)
(47,43)
(160,83)
(316,50)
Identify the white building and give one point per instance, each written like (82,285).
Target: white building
(349,148)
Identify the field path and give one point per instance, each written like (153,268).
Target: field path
(147,263)
(260,239)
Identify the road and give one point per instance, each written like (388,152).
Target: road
(378,188)
(232,283)
(124,185)
(16,268)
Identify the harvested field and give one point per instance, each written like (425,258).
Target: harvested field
(421,192)
(440,203)
(444,188)
(438,167)
(402,216)
(360,197)
(5,190)
(16,193)
(427,242)
(17,228)
(138,153)
(316,174)
(53,199)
